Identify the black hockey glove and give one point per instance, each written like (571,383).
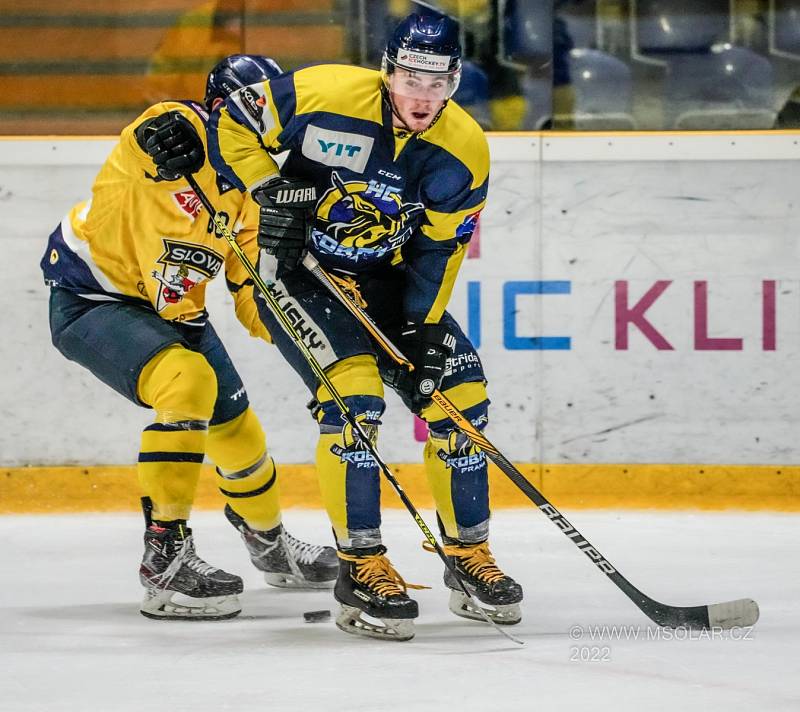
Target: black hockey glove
(285,218)
(173,143)
(428,347)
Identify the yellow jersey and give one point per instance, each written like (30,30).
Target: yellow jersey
(144,239)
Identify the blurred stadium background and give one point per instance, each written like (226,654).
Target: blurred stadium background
(89,66)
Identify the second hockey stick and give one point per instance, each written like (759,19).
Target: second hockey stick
(729,614)
(325,381)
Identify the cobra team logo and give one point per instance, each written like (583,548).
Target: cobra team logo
(184,265)
(361,222)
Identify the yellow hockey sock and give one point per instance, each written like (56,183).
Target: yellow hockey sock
(348,475)
(440,477)
(181,386)
(246,474)
(456,468)
(333,483)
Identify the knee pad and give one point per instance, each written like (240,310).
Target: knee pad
(453,446)
(179,384)
(358,382)
(470,398)
(366,409)
(237,444)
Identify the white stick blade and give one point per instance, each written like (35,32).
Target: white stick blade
(733,614)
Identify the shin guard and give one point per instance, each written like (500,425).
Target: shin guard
(246,474)
(182,388)
(458,476)
(348,474)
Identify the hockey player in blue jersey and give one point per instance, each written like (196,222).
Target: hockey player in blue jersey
(383,183)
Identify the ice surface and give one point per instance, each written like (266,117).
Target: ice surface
(71,636)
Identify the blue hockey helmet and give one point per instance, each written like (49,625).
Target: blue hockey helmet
(425,45)
(237,71)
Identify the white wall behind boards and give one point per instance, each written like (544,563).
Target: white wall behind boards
(634,300)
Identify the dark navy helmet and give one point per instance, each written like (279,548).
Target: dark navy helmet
(237,71)
(425,44)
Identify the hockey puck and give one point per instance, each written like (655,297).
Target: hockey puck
(316,616)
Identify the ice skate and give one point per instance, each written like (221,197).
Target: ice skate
(499,594)
(285,561)
(179,585)
(368,585)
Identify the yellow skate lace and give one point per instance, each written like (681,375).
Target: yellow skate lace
(350,287)
(476,559)
(377,572)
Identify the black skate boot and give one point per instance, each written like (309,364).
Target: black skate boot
(285,561)
(369,584)
(171,567)
(499,593)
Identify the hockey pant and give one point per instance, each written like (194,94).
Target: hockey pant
(185,374)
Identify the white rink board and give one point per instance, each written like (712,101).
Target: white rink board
(581,220)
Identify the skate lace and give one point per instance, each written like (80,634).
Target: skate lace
(376,572)
(185,555)
(301,551)
(476,559)
(350,287)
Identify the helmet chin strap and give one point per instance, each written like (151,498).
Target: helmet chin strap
(387,97)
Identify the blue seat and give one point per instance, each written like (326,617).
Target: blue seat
(527,39)
(473,93)
(603,88)
(784,29)
(527,32)
(580,17)
(727,87)
(538,93)
(372,34)
(668,26)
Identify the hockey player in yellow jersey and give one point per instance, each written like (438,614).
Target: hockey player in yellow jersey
(383,183)
(128,272)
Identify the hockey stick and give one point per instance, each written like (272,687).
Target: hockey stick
(730,614)
(324,380)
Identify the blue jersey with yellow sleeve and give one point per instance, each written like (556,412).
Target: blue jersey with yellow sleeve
(386,198)
(146,240)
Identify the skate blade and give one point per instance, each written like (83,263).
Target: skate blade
(350,620)
(159,605)
(281,580)
(461,605)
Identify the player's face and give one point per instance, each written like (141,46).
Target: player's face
(418,97)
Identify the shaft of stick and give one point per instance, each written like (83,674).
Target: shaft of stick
(347,414)
(740,612)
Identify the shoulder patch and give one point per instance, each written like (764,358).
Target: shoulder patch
(251,101)
(337,148)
